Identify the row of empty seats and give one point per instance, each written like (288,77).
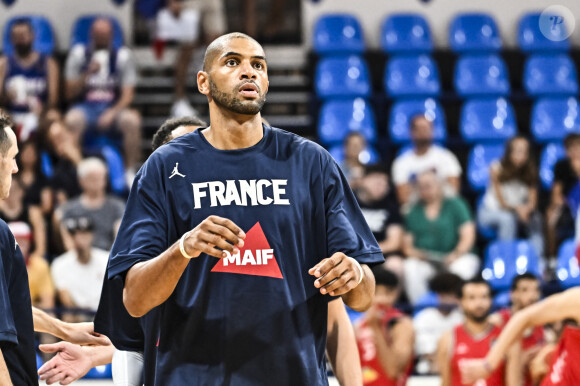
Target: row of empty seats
(475,75)
(44,37)
(481,120)
(410,33)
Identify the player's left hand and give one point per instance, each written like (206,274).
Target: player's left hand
(69,364)
(472,370)
(84,334)
(336,275)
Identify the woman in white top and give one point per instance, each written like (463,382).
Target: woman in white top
(510,201)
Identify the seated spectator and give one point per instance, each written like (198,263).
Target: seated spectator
(352,167)
(103,210)
(511,199)
(440,236)
(424,156)
(101,79)
(78,274)
(28,80)
(39,280)
(381,212)
(431,322)
(564,197)
(385,335)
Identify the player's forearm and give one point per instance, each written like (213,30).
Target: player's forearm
(100,355)
(149,284)
(4,375)
(361,297)
(46,323)
(512,332)
(343,353)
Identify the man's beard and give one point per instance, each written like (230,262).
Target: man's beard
(422,143)
(23,50)
(477,318)
(230,102)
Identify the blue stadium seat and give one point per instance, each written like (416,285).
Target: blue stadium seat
(368,156)
(81,31)
(474,32)
(567,269)
(43,34)
(346,77)
(408,76)
(339,117)
(403,110)
(552,153)
(406,33)
(338,34)
(531,38)
(506,259)
(430,299)
(100,372)
(554,118)
(550,75)
(502,300)
(478,162)
(478,75)
(109,149)
(487,120)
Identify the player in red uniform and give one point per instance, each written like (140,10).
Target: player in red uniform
(385,336)
(525,291)
(473,339)
(564,370)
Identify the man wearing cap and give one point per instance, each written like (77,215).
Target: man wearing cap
(78,273)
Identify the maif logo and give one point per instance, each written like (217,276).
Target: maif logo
(255,258)
(557,23)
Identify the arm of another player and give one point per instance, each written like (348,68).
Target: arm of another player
(149,284)
(339,275)
(444,364)
(4,375)
(341,346)
(72,361)
(395,357)
(514,367)
(565,305)
(79,333)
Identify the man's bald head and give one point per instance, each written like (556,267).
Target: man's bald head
(102,33)
(218,45)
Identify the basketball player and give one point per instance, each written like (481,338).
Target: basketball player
(385,336)
(73,362)
(564,370)
(525,291)
(473,339)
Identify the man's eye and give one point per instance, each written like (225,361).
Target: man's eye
(259,66)
(231,62)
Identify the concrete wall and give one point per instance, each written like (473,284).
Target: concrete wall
(438,13)
(62,14)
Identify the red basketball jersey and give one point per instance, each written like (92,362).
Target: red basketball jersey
(565,369)
(373,372)
(467,347)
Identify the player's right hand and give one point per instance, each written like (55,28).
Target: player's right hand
(212,233)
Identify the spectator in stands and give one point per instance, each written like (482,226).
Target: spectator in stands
(78,274)
(511,199)
(102,80)
(381,212)
(424,156)
(525,291)
(103,210)
(352,167)
(39,280)
(28,80)
(431,322)
(440,236)
(565,196)
(385,335)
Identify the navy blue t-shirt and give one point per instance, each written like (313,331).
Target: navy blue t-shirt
(254,318)
(16,328)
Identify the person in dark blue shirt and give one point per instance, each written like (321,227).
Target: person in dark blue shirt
(278,215)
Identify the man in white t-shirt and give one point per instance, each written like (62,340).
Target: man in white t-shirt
(78,274)
(424,156)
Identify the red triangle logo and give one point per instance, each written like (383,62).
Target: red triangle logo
(255,258)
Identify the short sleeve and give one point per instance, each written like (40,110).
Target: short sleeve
(7,327)
(143,230)
(74,62)
(128,68)
(452,167)
(347,230)
(399,172)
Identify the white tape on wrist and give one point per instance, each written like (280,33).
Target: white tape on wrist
(362,272)
(182,246)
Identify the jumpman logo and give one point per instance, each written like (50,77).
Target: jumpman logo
(176,172)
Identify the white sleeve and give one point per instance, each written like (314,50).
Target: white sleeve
(452,166)
(74,62)
(127,368)
(56,273)
(399,172)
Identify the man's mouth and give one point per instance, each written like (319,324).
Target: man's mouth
(249,90)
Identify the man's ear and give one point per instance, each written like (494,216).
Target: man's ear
(203,82)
